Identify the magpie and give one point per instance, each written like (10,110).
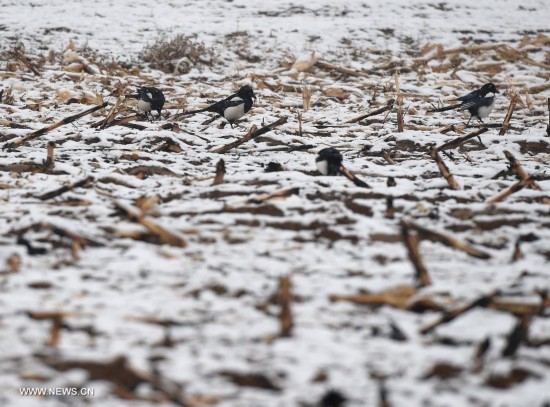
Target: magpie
(233,107)
(329,162)
(149,99)
(479,103)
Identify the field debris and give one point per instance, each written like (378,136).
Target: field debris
(184,262)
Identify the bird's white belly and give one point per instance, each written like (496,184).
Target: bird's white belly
(322,166)
(233,113)
(144,106)
(484,111)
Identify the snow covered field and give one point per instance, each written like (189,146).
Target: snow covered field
(150,285)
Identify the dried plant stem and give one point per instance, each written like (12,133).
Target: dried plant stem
(474,48)
(479,356)
(220,172)
(55,333)
(383,396)
(65,188)
(306,95)
(509,191)
(483,301)
(137,216)
(353,178)
(22,58)
(35,134)
(461,140)
(519,308)
(444,169)
(399,100)
(50,156)
(506,123)
(169,145)
(10,124)
(329,67)
(527,98)
(398,297)
(74,236)
(387,157)
(511,54)
(299,147)
(517,169)
(388,106)
(447,129)
(390,211)
(441,52)
(123,377)
(282,193)
(252,133)
(446,240)
(411,242)
(110,117)
(147,203)
(57,320)
(517,336)
(538,88)
(14,263)
(242,140)
(125,120)
(285,300)
(517,254)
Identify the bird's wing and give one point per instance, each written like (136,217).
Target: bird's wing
(470,96)
(234,102)
(478,102)
(145,94)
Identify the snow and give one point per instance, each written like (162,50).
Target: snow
(218,294)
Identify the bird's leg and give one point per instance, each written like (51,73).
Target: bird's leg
(479,138)
(238,124)
(467,124)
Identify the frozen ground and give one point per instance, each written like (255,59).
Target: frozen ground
(200,325)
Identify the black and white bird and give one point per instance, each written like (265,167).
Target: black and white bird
(479,103)
(231,108)
(149,99)
(329,162)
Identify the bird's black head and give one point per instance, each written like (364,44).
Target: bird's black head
(156,92)
(246,92)
(488,88)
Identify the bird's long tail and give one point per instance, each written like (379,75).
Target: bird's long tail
(190,112)
(353,178)
(443,109)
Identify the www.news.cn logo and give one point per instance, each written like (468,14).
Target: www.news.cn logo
(56,391)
